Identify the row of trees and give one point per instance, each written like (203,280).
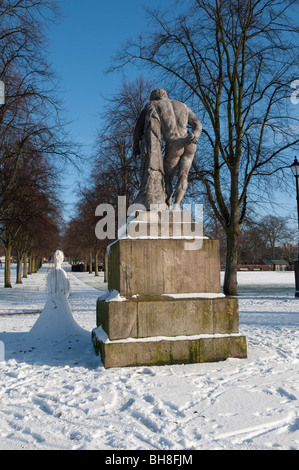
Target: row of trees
(31,134)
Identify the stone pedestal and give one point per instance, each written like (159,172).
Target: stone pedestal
(164,303)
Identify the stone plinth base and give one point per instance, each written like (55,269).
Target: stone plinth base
(164,303)
(145,316)
(167,329)
(167,351)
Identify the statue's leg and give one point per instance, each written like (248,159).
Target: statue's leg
(169,171)
(184,168)
(173,153)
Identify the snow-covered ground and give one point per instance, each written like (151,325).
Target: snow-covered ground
(57,395)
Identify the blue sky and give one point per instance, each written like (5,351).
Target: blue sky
(81,48)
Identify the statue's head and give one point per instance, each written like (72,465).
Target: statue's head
(58,258)
(158,93)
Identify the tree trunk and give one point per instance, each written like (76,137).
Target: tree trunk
(232,234)
(90,261)
(106,265)
(25,266)
(34,265)
(31,264)
(7,282)
(30,270)
(19,268)
(96,263)
(231,266)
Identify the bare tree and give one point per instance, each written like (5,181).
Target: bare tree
(275,231)
(32,109)
(235,60)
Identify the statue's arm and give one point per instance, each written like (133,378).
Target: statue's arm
(138,132)
(196,126)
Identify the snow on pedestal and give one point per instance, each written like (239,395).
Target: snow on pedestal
(56,319)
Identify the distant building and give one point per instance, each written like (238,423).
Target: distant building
(277,264)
